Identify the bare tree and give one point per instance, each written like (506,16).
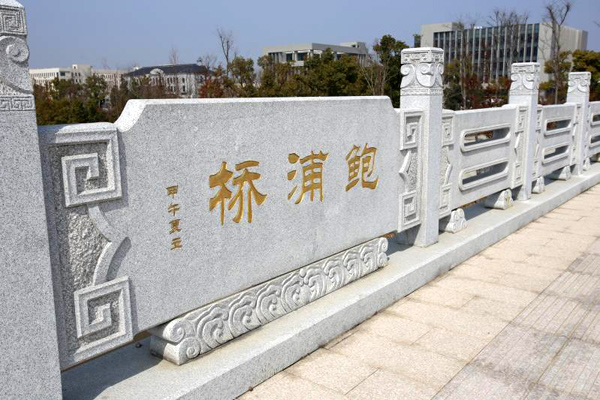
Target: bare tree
(508,25)
(172,83)
(374,72)
(174,56)
(464,28)
(556,15)
(207,76)
(227,42)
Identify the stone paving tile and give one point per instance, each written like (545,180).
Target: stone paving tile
(549,251)
(524,236)
(566,217)
(512,267)
(574,246)
(539,392)
(520,320)
(488,290)
(589,328)
(558,263)
(393,327)
(564,236)
(559,223)
(516,254)
(594,248)
(574,369)
(290,387)
(331,370)
(338,339)
(539,350)
(589,265)
(482,326)
(452,344)
(495,275)
(546,227)
(387,385)
(441,296)
(431,369)
(483,306)
(475,382)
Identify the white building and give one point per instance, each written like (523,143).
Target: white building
(184,80)
(497,47)
(78,73)
(297,53)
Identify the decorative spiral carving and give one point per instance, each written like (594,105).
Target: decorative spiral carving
(580,81)
(525,77)
(382,258)
(190,347)
(206,328)
(14,54)
(422,71)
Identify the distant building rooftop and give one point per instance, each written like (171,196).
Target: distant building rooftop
(188,69)
(297,53)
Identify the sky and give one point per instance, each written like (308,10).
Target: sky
(124,33)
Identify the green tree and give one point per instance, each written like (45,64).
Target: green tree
(95,98)
(388,50)
(325,75)
(556,89)
(588,60)
(242,78)
(60,102)
(119,96)
(276,79)
(212,86)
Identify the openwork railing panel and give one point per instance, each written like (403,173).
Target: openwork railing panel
(483,153)
(594,117)
(557,137)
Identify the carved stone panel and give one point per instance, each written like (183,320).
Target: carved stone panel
(185,202)
(410,169)
(82,169)
(202,330)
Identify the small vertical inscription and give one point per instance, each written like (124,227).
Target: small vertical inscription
(174,223)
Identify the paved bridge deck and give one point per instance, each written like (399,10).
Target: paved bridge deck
(521,320)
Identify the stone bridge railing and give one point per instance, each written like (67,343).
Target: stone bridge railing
(201,220)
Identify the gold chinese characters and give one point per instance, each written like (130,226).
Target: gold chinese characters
(174,223)
(361,164)
(312,175)
(247,177)
(307,176)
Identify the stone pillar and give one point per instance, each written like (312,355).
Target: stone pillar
(29,365)
(579,93)
(524,92)
(421,89)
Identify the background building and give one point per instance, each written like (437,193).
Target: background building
(78,73)
(297,53)
(493,49)
(184,80)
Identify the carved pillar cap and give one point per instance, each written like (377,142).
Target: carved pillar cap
(422,70)
(11,3)
(12,18)
(580,81)
(525,78)
(15,83)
